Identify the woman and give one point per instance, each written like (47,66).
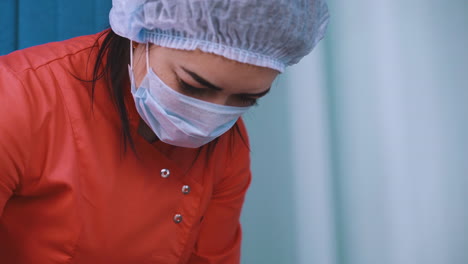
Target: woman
(126,146)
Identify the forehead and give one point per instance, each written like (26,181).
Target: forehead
(221,71)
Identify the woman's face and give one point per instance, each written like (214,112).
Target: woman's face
(205,76)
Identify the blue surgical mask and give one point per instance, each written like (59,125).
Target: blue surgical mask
(178,119)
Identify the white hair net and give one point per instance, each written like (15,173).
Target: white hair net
(266,33)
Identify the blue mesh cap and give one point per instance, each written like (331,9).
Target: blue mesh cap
(266,33)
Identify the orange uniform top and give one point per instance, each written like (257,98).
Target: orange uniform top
(70,194)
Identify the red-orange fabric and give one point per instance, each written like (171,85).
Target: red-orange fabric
(70,194)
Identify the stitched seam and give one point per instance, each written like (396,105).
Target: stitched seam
(15,75)
(73,251)
(55,59)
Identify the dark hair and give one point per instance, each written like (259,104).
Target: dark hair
(111,64)
(112,58)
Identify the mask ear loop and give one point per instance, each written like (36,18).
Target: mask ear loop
(147,57)
(131,54)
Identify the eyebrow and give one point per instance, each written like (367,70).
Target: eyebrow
(206,83)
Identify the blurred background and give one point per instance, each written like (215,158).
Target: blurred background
(360,153)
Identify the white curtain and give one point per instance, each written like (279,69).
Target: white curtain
(360,156)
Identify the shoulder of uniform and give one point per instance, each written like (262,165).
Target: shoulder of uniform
(235,142)
(243,130)
(37,56)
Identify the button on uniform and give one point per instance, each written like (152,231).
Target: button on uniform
(165,173)
(177,218)
(185,189)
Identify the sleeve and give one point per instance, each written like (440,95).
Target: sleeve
(14,128)
(219,240)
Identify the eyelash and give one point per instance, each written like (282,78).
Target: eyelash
(248,101)
(245,100)
(190,89)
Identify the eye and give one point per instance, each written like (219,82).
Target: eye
(243,100)
(192,90)
(248,101)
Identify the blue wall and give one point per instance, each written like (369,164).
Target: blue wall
(25,23)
